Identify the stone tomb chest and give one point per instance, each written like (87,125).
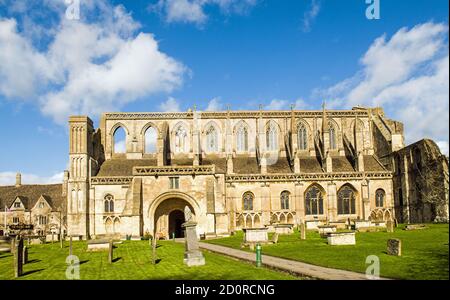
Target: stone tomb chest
(325,229)
(284,228)
(98,245)
(256,235)
(341,238)
(5,244)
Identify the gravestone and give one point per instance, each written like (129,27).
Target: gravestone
(394,247)
(110,253)
(302,231)
(5,245)
(395,222)
(275,238)
(192,255)
(341,238)
(61,240)
(25,255)
(390,226)
(18,258)
(153,243)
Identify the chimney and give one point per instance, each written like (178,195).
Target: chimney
(18,180)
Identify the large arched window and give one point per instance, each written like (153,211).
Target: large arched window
(314,201)
(284,198)
(120,138)
(180,139)
(212,144)
(380,195)
(333,141)
(346,201)
(302,137)
(242,138)
(109,204)
(272,137)
(150,138)
(247,201)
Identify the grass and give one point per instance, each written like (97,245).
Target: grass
(425,253)
(133,262)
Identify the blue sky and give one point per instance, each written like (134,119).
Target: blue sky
(171,54)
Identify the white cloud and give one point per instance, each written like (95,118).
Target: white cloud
(408,76)
(193,11)
(171,105)
(9,178)
(214,105)
(443,145)
(310,15)
(277,104)
(88,67)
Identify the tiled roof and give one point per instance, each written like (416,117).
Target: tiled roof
(30,194)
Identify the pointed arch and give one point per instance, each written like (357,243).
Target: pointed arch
(272,132)
(302,136)
(285,200)
(333,131)
(346,201)
(314,200)
(212,137)
(180,137)
(242,132)
(247,201)
(380,198)
(119,134)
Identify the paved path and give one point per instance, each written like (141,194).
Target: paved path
(295,267)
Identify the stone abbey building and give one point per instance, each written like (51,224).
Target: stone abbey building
(243,169)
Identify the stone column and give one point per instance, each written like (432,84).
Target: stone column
(265,203)
(365,200)
(299,202)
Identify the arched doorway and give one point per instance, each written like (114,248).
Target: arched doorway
(169,216)
(176,219)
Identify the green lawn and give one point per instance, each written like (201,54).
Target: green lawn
(425,252)
(133,261)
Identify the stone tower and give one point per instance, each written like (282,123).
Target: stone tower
(80,155)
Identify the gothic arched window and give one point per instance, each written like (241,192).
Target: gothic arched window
(109,204)
(379,198)
(313,201)
(150,138)
(242,138)
(302,137)
(284,198)
(119,140)
(247,201)
(272,137)
(212,139)
(333,142)
(180,140)
(346,201)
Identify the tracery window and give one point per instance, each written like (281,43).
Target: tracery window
(346,201)
(314,201)
(333,142)
(284,198)
(272,137)
(212,140)
(180,139)
(379,198)
(242,138)
(302,137)
(247,201)
(109,204)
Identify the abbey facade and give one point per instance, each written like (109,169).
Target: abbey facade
(233,169)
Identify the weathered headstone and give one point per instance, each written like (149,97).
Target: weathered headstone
(61,240)
(275,238)
(302,231)
(390,226)
(70,246)
(110,253)
(25,255)
(192,255)
(396,222)
(18,259)
(153,244)
(394,247)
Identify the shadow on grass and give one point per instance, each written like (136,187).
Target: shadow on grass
(32,272)
(34,261)
(116,259)
(83,262)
